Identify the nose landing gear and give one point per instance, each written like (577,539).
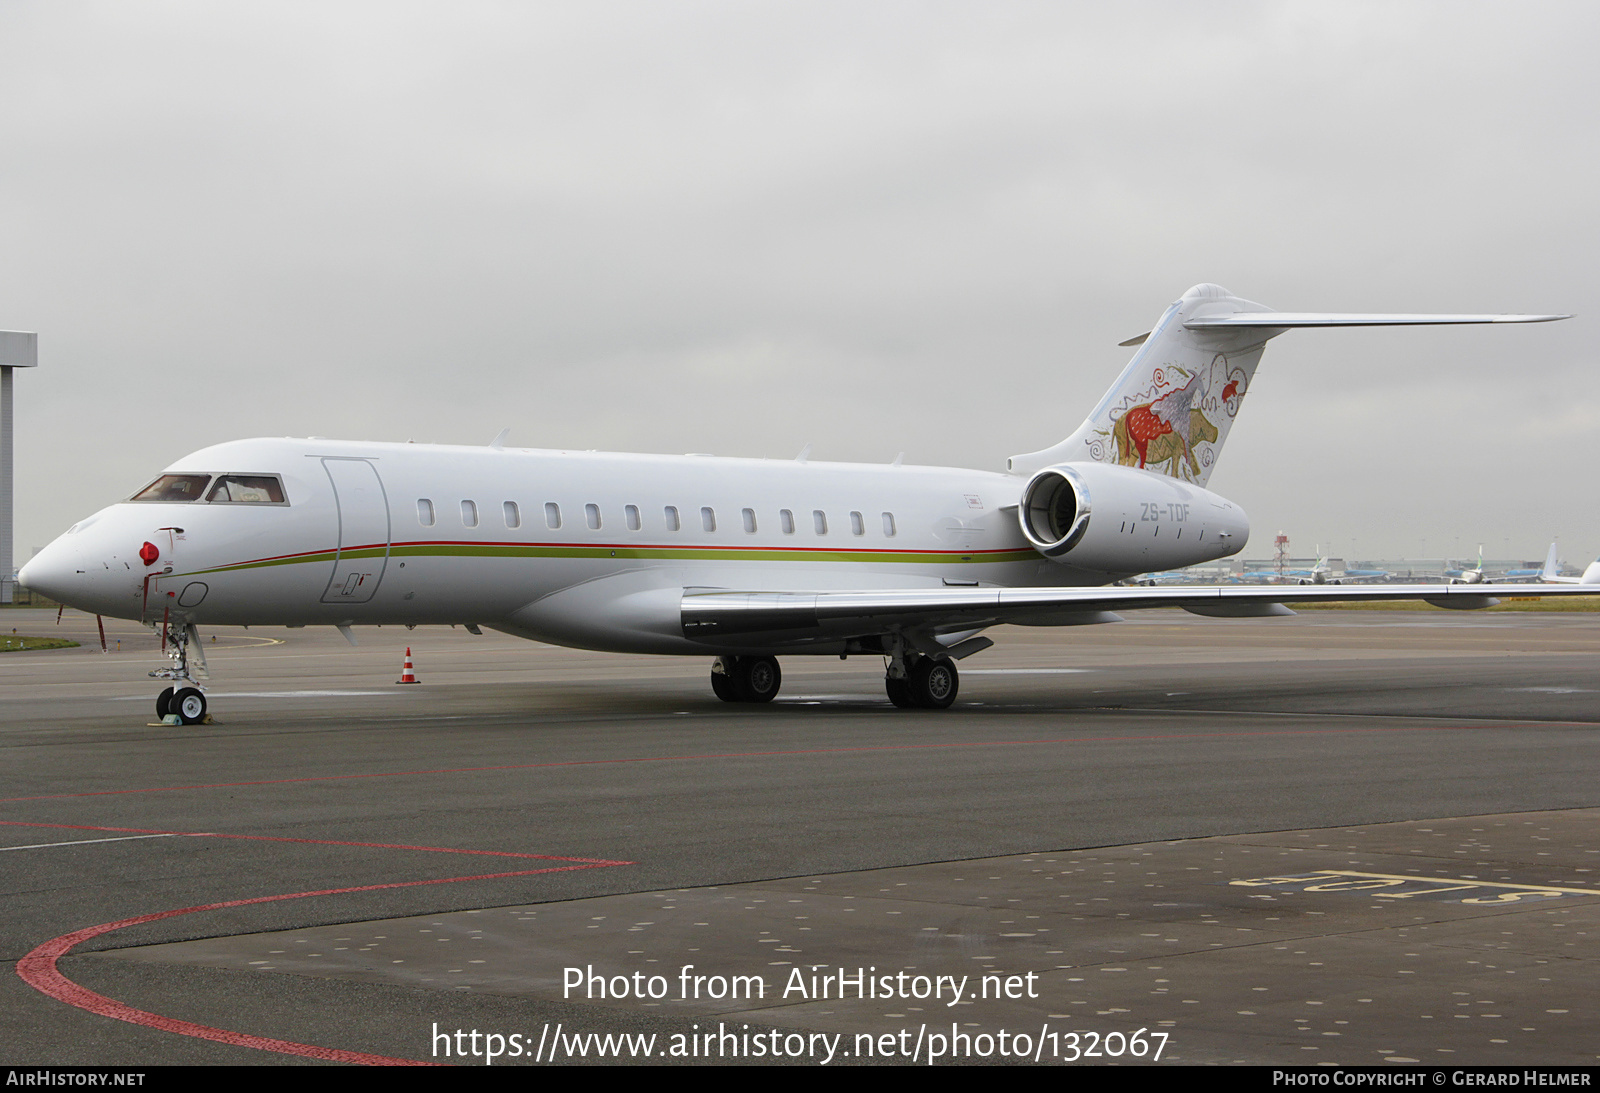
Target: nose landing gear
(187,703)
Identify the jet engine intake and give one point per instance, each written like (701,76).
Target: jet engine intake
(1055,510)
(1109,519)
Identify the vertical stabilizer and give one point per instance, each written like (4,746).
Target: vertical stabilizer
(1552,564)
(1172,407)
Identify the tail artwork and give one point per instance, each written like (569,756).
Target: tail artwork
(1171,409)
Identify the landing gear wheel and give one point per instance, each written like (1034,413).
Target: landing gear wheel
(899,691)
(933,683)
(756,679)
(190,706)
(164,703)
(746,679)
(722,686)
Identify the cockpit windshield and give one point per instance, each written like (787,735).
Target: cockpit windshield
(174,487)
(249,488)
(226,489)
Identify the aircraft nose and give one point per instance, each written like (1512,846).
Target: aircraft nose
(76,570)
(54,572)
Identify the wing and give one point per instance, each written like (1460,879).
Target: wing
(1284,320)
(722,617)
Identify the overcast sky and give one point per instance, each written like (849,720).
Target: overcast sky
(872,227)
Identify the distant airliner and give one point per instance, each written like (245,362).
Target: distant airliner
(741,560)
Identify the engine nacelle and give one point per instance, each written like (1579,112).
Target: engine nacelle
(1115,519)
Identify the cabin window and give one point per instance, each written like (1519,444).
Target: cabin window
(708,519)
(174,487)
(671,513)
(469,514)
(253,489)
(552,515)
(819,520)
(631,514)
(786,521)
(591,513)
(512,514)
(858,526)
(749,520)
(888,525)
(425,512)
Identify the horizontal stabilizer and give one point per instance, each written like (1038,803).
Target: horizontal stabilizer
(1283,320)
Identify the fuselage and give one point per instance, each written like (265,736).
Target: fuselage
(578,548)
(745,560)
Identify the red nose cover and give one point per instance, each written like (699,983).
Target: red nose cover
(148,554)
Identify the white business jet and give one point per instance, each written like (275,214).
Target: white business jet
(742,560)
(1552,566)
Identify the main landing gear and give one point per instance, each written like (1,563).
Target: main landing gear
(913,681)
(746,679)
(187,701)
(927,683)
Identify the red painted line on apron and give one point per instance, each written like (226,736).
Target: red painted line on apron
(38,969)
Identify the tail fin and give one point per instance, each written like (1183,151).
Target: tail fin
(1552,564)
(1591,575)
(1171,409)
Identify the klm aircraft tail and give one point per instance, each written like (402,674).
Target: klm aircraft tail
(1171,409)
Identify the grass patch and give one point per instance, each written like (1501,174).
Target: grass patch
(17,643)
(1555,603)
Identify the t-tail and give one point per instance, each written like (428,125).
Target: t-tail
(1171,409)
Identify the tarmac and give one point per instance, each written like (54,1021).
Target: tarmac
(1348,837)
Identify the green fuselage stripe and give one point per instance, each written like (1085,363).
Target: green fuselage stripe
(650,553)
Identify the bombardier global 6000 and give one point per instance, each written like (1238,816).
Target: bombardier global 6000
(738,560)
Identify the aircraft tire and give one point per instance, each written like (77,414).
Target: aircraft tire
(934,682)
(757,679)
(899,691)
(164,703)
(722,686)
(190,706)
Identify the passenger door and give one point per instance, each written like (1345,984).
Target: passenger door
(363,552)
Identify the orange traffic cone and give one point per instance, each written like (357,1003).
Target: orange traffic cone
(407,674)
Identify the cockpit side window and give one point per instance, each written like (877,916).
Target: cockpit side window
(171,488)
(253,489)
